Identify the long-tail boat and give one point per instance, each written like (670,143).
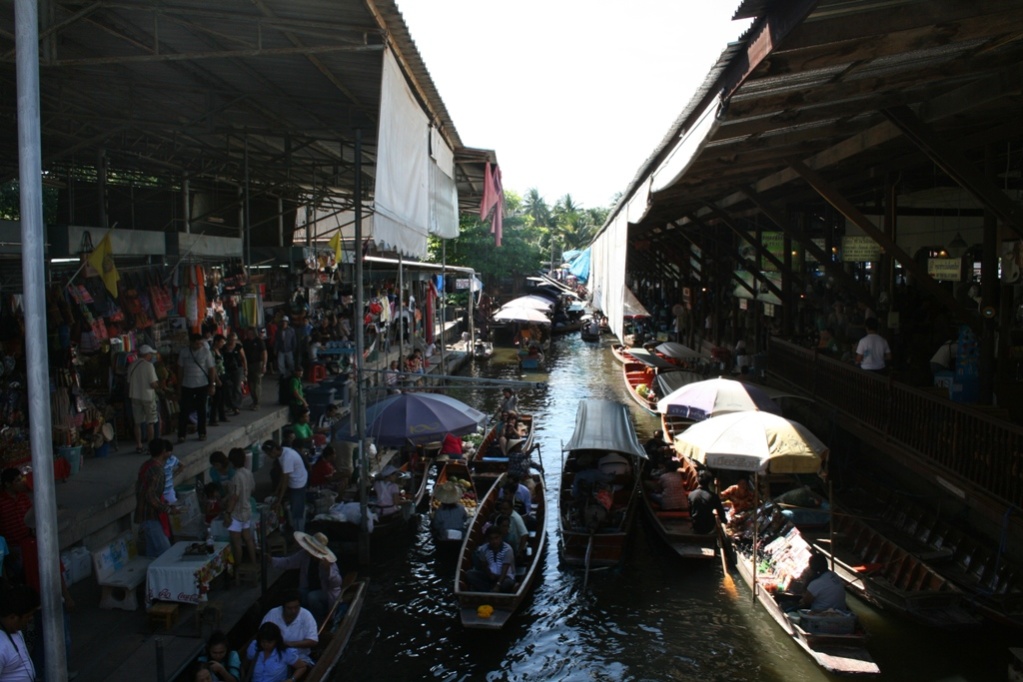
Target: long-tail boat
(595,519)
(491,610)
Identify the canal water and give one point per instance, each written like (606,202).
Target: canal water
(654,618)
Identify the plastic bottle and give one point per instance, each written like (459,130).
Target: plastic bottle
(209,540)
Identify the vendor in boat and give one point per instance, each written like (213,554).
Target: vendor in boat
(826,590)
(319,579)
(451,515)
(739,497)
(389,494)
(493,565)
(703,503)
(325,474)
(452,447)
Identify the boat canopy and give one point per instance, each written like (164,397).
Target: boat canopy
(604,425)
(668,382)
(650,359)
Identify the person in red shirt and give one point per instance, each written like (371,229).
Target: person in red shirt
(14,505)
(451,446)
(325,474)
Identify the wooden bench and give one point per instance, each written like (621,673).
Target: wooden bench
(119,569)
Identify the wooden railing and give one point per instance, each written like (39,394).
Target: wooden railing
(976,447)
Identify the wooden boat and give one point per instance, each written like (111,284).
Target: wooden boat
(458,471)
(667,383)
(346,533)
(881,572)
(640,375)
(621,352)
(504,605)
(532,362)
(590,331)
(594,532)
(837,654)
(336,630)
(489,462)
(481,350)
(992,582)
(675,528)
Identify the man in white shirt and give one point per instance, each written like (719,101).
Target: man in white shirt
(294,478)
(873,352)
(142,386)
(297,624)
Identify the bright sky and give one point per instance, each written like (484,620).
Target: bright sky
(573,95)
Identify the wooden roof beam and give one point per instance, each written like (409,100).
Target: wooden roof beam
(957,167)
(923,280)
(759,275)
(834,269)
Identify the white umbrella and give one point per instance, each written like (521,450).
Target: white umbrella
(714,397)
(531,301)
(520,314)
(758,442)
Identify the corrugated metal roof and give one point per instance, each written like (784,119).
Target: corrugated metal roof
(169,89)
(814,91)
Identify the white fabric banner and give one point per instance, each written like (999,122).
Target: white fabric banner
(401,196)
(443,204)
(607,271)
(441,153)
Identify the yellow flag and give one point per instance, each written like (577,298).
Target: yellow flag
(335,243)
(102,261)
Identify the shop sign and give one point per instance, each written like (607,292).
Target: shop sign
(768,310)
(945,269)
(860,249)
(461,283)
(743,304)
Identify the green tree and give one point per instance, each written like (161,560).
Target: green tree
(535,209)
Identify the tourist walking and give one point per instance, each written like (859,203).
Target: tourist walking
(142,391)
(285,346)
(255,358)
(198,383)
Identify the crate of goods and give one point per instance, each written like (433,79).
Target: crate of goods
(828,622)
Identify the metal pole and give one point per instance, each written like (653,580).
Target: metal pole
(443,310)
(26,24)
(756,529)
(472,318)
(401,313)
(360,343)
(161,675)
(248,216)
(186,204)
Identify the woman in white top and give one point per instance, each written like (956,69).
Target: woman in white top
(387,491)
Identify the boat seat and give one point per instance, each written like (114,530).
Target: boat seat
(681,514)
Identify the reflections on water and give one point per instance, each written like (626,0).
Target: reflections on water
(655,618)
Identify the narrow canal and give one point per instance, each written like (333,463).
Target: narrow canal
(655,618)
